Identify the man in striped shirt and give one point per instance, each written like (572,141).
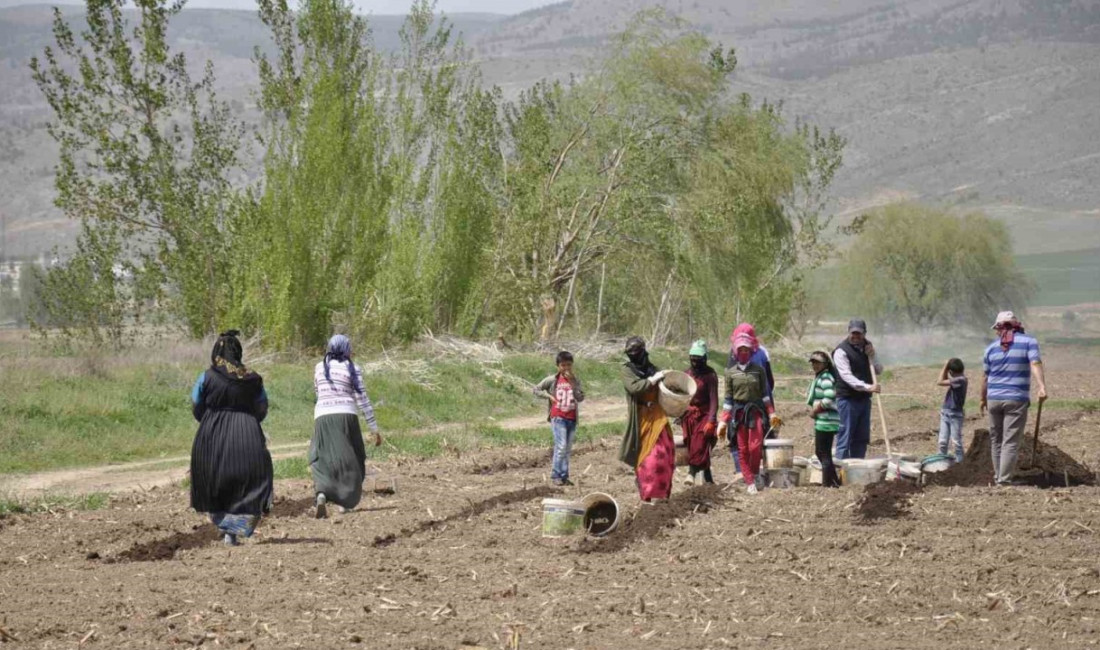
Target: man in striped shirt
(1010,363)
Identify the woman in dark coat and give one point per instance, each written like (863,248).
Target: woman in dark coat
(700,421)
(232,478)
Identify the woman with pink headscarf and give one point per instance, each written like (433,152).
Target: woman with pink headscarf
(761,358)
(747,404)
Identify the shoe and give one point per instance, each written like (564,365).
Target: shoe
(231,540)
(690,480)
(558,482)
(566,481)
(751,489)
(322,512)
(342,510)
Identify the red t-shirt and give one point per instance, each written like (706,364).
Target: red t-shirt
(566,408)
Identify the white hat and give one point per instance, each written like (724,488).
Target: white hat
(1004,317)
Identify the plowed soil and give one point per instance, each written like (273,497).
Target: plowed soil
(455,559)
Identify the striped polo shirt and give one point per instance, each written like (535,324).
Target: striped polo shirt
(1009,371)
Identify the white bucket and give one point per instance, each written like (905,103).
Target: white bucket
(561,517)
(779,453)
(601,514)
(675,392)
(858,471)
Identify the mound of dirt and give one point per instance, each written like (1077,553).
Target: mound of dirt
(166,548)
(887,500)
(650,520)
(1050,467)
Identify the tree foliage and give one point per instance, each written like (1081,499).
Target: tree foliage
(145,158)
(400,196)
(919,265)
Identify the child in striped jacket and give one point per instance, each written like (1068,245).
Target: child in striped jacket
(822,400)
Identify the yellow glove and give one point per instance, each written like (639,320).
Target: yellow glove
(776,421)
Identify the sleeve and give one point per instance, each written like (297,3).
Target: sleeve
(363,400)
(712,387)
(768,374)
(198,402)
(828,391)
(635,386)
(727,403)
(578,390)
(542,389)
(1033,352)
(813,390)
(985,362)
(844,369)
(762,379)
(261,405)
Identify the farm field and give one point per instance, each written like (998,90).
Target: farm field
(455,558)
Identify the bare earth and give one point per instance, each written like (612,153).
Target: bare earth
(455,559)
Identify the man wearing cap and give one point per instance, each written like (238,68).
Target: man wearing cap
(853,360)
(1009,365)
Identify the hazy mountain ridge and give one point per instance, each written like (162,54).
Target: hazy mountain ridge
(981,103)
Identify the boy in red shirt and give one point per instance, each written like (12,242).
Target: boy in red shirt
(563,390)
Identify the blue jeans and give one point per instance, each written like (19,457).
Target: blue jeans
(563,445)
(951,428)
(855,427)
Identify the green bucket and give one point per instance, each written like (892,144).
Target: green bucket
(561,517)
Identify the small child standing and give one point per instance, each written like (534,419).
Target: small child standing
(563,391)
(954,402)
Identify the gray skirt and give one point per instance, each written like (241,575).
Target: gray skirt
(337,459)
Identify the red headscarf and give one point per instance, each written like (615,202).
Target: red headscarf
(744,329)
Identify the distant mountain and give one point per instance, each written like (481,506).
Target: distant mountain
(986,104)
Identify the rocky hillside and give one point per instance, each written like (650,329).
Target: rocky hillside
(979,103)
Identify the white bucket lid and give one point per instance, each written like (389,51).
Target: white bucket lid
(868,463)
(562,503)
(779,442)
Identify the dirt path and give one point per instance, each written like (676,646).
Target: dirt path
(143,475)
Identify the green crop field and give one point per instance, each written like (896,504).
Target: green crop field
(1062,279)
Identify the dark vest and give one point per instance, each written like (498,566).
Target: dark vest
(861,368)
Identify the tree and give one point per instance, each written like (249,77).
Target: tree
(927,267)
(374,210)
(146,155)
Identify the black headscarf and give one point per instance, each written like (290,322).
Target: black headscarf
(638,358)
(228,355)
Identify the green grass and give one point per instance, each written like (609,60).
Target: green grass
(1086,405)
(92,501)
(67,409)
(1065,278)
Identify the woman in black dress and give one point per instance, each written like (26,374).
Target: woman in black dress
(231,474)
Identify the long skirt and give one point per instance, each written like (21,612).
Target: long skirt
(698,443)
(232,477)
(338,459)
(657,456)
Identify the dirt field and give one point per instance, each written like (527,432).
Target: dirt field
(455,559)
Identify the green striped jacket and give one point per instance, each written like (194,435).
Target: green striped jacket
(823,390)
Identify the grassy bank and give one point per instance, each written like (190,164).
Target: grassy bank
(62,410)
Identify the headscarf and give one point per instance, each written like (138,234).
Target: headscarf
(228,354)
(822,357)
(743,348)
(638,357)
(747,330)
(1008,330)
(339,349)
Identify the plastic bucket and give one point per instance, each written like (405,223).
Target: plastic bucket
(778,453)
(601,514)
(895,463)
(863,472)
(675,391)
(936,463)
(783,477)
(561,517)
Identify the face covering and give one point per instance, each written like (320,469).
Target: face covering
(743,356)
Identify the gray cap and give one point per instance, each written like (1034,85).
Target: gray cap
(857,325)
